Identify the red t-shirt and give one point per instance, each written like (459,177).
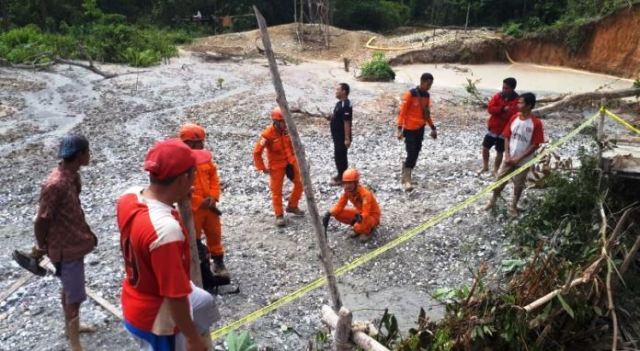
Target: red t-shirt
(156,256)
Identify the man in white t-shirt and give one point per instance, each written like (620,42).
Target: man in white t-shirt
(522,137)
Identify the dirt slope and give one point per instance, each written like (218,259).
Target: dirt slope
(613,47)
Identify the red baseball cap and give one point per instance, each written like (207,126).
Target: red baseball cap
(169,158)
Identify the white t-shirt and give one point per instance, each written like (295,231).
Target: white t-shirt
(522,134)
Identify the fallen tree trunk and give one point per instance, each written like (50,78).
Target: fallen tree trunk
(90,67)
(580,98)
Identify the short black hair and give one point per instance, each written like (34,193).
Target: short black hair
(529,99)
(345,87)
(426,76)
(168,180)
(510,82)
(72,146)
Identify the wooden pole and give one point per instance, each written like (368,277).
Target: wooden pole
(298,148)
(364,341)
(187,219)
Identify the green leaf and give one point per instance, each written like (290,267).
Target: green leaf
(241,342)
(566,306)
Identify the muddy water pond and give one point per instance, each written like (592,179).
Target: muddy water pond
(535,78)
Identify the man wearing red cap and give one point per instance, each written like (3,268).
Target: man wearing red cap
(282,161)
(364,217)
(206,194)
(162,309)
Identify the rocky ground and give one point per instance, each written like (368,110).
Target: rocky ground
(123,116)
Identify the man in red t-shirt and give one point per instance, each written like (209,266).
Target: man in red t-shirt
(501,108)
(162,308)
(522,137)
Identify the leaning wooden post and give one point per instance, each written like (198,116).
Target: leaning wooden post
(187,219)
(298,148)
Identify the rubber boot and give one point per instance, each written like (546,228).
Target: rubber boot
(73,334)
(280,221)
(218,266)
(406,179)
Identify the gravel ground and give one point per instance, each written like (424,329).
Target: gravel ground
(123,116)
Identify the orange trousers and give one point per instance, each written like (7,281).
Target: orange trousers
(365,227)
(276,181)
(208,222)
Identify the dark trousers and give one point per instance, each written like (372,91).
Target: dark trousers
(413,143)
(340,156)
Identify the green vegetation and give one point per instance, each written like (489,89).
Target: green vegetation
(555,242)
(241,342)
(377,69)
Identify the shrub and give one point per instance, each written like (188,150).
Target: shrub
(513,29)
(565,213)
(108,39)
(377,69)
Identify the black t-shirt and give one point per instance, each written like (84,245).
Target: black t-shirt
(341,113)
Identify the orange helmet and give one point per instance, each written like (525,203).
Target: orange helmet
(191,132)
(276,114)
(350,175)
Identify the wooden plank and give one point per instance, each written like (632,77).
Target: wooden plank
(16,285)
(104,303)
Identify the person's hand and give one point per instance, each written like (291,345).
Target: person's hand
(37,253)
(206,203)
(347,143)
(505,108)
(433,134)
(508,160)
(399,134)
(326,218)
(196,344)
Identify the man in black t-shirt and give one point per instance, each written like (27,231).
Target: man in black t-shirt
(341,130)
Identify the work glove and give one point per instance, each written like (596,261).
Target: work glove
(289,172)
(357,219)
(325,219)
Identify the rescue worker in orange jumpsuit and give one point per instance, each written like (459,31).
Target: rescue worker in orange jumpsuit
(205,196)
(415,113)
(281,161)
(364,217)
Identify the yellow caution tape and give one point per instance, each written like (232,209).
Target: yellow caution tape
(395,242)
(622,121)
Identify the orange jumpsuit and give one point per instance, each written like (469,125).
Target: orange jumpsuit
(279,154)
(365,204)
(207,184)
